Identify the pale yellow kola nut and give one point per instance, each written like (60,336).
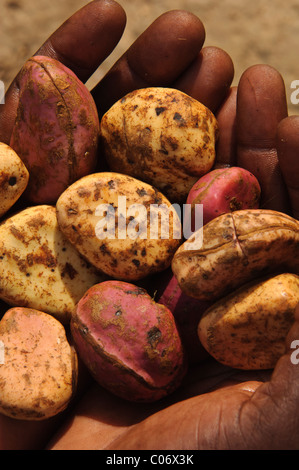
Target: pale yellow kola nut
(113,221)
(38,368)
(161,136)
(14,177)
(248,328)
(39,268)
(235,248)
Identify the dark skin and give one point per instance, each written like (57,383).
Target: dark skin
(216,407)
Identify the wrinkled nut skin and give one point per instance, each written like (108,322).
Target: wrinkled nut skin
(224,190)
(97,214)
(161,136)
(14,178)
(236,248)
(248,328)
(38,373)
(129,343)
(56,130)
(39,268)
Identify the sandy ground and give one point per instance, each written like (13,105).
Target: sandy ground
(259,31)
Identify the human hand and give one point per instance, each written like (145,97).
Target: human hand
(216,407)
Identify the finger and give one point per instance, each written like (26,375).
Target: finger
(275,405)
(203,422)
(208,78)
(162,52)
(261,105)
(81,44)
(288,156)
(226,144)
(87,37)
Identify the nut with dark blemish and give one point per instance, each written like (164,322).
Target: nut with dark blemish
(169,140)
(179,118)
(56,125)
(130,343)
(248,328)
(14,177)
(159,110)
(39,268)
(236,247)
(69,270)
(154,336)
(117,242)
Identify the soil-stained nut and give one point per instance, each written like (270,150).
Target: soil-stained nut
(56,130)
(247,329)
(38,368)
(223,190)
(235,248)
(114,221)
(129,343)
(14,177)
(39,268)
(161,136)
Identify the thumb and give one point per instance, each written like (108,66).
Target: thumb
(275,404)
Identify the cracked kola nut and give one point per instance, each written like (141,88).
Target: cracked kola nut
(248,328)
(161,136)
(129,343)
(235,248)
(38,368)
(111,220)
(39,268)
(14,178)
(223,190)
(56,129)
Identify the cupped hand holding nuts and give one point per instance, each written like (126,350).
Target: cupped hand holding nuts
(216,406)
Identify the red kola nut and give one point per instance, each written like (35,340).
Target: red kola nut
(187,312)
(129,343)
(224,190)
(56,130)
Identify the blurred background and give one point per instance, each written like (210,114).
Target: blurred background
(252,32)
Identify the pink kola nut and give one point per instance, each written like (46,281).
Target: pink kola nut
(129,343)
(187,312)
(224,190)
(56,130)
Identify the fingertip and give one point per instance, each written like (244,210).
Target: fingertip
(166,47)
(85,39)
(261,105)
(209,77)
(157,57)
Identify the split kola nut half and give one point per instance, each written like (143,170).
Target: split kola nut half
(129,342)
(38,373)
(247,324)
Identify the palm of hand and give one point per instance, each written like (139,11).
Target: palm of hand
(217,408)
